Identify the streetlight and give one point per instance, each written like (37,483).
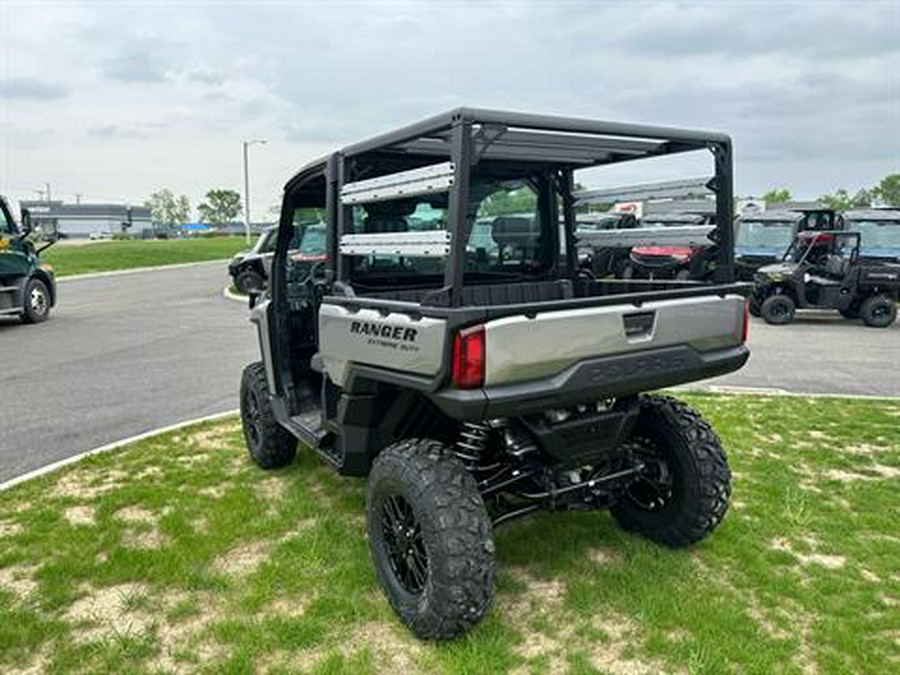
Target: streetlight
(247,144)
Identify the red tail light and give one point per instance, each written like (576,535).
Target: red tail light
(745,329)
(468,358)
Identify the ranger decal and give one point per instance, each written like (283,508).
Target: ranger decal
(382,330)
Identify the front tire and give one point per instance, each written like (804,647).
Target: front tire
(879,311)
(778,309)
(270,445)
(37,302)
(430,538)
(683,493)
(249,280)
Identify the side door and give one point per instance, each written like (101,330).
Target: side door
(14,256)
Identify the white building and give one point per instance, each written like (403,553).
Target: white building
(83,220)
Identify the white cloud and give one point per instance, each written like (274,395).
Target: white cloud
(125,99)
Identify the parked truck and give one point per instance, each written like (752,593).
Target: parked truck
(475,382)
(27,284)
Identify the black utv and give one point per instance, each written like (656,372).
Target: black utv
(823,270)
(763,237)
(448,352)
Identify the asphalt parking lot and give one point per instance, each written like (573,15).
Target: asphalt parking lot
(128,353)
(820,353)
(120,355)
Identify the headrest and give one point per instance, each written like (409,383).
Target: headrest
(391,207)
(510,230)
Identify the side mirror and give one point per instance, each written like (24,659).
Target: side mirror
(26,222)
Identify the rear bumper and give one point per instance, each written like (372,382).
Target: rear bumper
(592,380)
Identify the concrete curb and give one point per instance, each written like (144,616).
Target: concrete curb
(729,390)
(49,468)
(137,270)
(720,390)
(231,295)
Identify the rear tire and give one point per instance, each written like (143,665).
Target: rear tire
(683,493)
(430,538)
(879,311)
(753,308)
(270,445)
(778,310)
(36,301)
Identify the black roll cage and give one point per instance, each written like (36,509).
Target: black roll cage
(468,137)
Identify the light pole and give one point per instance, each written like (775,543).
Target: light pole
(247,144)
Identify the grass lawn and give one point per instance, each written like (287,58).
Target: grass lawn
(176,554)
(104,256)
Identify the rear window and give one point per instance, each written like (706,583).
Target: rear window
(505,235)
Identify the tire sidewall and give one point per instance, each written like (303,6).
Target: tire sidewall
(29,314)
(661,432)
(276,446)
(248,390)
(869,306)
(248,280)
(404,602)
(774,301)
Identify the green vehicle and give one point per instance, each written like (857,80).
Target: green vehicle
(27,285)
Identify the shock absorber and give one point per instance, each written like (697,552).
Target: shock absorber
(472,443)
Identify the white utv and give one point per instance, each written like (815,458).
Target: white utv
(477,377)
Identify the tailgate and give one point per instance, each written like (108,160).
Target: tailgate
(520,348)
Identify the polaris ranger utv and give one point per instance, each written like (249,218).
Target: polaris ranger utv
(762,238)
(27,285)
(823,270)
(474,384)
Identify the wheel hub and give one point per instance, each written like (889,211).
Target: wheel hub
(38,301)
(405,546)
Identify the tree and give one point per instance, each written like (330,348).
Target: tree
(220,207)
(839,201)
(888,190)
(167,209)
(862,199)
(507,202)
(777,196)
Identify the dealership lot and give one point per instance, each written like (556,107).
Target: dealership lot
(128,353)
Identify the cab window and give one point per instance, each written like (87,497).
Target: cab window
(6,226)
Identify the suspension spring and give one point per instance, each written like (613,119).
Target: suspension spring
(472,443)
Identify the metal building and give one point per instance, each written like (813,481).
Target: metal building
(83,220)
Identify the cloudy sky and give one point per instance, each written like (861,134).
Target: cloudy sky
(116,99)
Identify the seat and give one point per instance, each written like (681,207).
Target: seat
(836,266)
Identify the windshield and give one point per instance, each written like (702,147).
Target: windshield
(266,242)
(765,233)
(876,235)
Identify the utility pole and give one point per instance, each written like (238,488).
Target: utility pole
(247,144)
(49,198)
